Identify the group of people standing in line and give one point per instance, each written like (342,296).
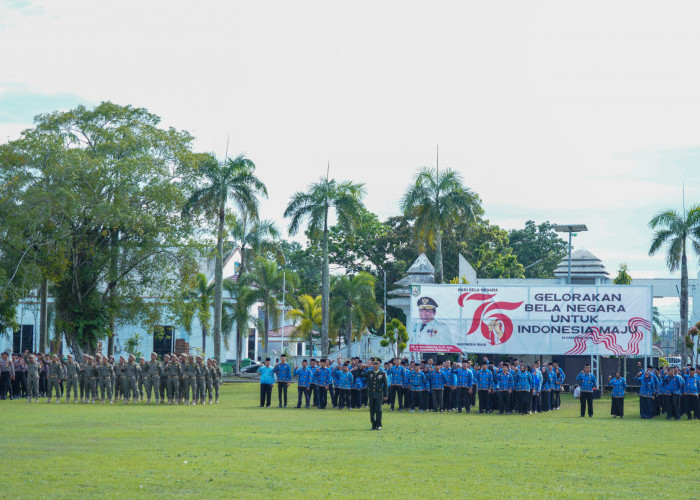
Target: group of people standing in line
(510,387)
(32,376)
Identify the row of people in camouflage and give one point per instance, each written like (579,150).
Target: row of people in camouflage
(101,378)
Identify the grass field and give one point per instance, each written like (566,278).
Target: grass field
(237,449)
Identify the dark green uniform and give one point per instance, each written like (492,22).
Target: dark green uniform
(120,380)
(142,379)
(190,378)
(91,375)
(216,379)
(208,379)
(131,375)
(55,373)
(33,380)
(377,391)
(153,371)
(174,371)
(201,382)
(105,372)
(72,379)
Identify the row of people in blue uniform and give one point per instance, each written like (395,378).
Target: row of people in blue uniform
(670,391)
(508,387)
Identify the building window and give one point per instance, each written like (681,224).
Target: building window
(163,340)
(23,339)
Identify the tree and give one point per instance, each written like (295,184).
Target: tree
(485,246)
(437,200)
(396,337)
(314,206)
(233,180)
(623,277)
(307,316)
(353,303)
(238,313)
(99,189)
(538,248)
(202,297)
(268,280)
(676,230)
(255,238)
(306,263)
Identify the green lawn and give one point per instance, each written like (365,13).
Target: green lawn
(237,449)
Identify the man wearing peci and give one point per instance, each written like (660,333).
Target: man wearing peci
(430,330)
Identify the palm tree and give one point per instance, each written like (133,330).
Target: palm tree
(268,280)
(233,180)
(238,312)
(437,200)
(674,230)
(354,304)
(309,315)
(315,205)
(202,296)
(255,238)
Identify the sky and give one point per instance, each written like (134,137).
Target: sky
(567,111)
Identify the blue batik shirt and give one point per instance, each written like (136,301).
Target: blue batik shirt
(523,381)
(675,384)
(647,385)
(465,378)
(586,381)
(283,372)
(619,385)
(416,380)
(303,376)
(504,381)
(437,380)
(267,374)
(344,380)
(323,376)
(691,384)
(395,375)
(484,380)
(536,380)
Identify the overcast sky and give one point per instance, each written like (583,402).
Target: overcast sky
(573,112)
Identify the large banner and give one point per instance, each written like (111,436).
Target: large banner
(520,319)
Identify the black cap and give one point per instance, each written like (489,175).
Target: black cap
(426,303)
(267,359)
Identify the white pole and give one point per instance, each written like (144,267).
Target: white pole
(284,286)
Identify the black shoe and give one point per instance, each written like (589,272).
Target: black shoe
(379,427)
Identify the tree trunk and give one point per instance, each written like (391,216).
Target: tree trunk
(44,315)
(218,285)
(348,335)
(267,326)
(114,262)
(204,340)
(684,301)
(438,257)
(325,289)
(239,346)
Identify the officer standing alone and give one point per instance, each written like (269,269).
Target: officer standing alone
(377,391)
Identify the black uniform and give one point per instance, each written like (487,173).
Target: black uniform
(377,390)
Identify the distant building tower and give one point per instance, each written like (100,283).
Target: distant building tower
(421,272)
(586,269)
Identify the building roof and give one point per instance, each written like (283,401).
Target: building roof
(583,265)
